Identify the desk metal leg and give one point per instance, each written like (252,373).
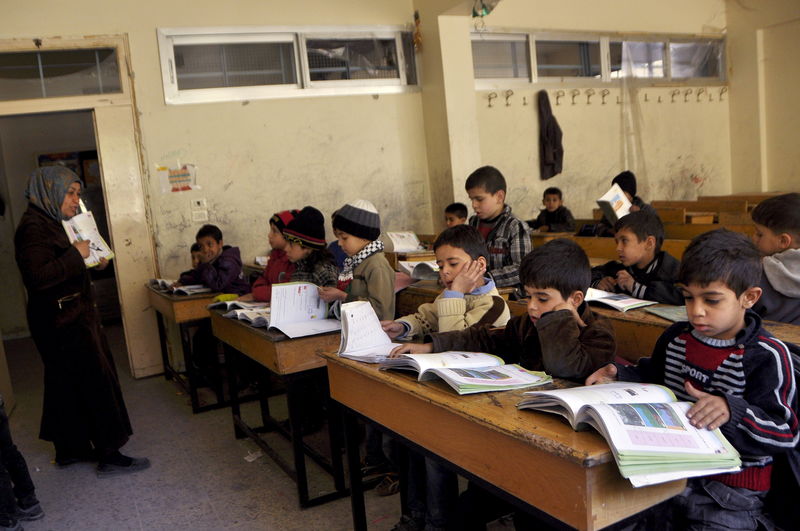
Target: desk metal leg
(162,339)
(352,438)
(191,370)
(296,433)
(231,358)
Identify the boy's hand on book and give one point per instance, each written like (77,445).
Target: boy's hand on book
(571,308)
(83,247)
(709,411)
(412,348)
(467,279)
(392,328)
(247,297)
(102,264)
(607,284)
(603,375)
(625,280)
(330,294)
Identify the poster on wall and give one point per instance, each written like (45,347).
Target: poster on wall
(179,179)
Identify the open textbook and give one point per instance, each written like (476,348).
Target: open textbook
(258,317)
(363,338)
(83,227)
(403,242)
(297,310)
(238,305)
(671,313)
(468,372)
(647,430)
(425,270)
(618,301)
(163,284)
(614,203)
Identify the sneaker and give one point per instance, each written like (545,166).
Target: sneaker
(8,526)
(112,469)
(390,484)
(34,512)
(372,471)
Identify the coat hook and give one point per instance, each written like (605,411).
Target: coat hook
(589,93)
(686,94)
(722,91)
(490,97)
(645,97)
(674,93)
(710,96)
(603,94)
(524,101)
(559,95)
(619,100)
(659,99)
(575,93)
(700,92)
(509,93)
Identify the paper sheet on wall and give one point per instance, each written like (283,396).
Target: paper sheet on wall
(180,179)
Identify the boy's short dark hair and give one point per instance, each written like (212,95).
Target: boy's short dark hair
(552,191)
(458,209)
(559,264)
(642,224)
(463,237)
(209,230)
(721,255)
(779,214)
(487,177)
(195,248)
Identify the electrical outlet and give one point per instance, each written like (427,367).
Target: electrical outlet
(200,215)
(199,204)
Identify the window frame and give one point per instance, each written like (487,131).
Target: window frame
(492,82)
(605,79)
(298,35)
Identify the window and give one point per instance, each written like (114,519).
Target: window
(207,64)
(568,59)
(57,73)
(499,58)
(523,58)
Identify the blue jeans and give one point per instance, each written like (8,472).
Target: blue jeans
(432,492)
(707,504)
(16,485)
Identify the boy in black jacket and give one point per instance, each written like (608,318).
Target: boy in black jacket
(555,217)
(738,375)
(643,271)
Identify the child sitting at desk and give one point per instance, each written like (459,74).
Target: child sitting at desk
(738,375)
(455,214)
(626,180)
(559,335)
(469,298)
(643,271)
(777,237)
(220,266)
(305,248)
(279,268)
(555,217)
(507,237)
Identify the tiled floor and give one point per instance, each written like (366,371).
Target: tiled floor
(199,478)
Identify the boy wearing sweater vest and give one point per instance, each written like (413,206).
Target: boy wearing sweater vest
(738,375)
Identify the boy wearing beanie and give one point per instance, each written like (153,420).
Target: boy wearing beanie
(627,181)
(279,268)
(305,248)
(366,274)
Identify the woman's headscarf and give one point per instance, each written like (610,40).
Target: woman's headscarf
(47,188)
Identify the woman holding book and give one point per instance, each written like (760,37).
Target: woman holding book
(84,414)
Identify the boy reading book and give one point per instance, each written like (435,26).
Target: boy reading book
(559,335)
(554,217)
(738,375)
(627,181)
(220,266)
(507,237)
(643,271)
(777,237)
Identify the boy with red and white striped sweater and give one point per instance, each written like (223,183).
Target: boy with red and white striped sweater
(740,377)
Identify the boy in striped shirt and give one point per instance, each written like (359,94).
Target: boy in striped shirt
(739,376)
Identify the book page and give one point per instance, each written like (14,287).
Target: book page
(83,227)
(453,358)
(361,328)
(613,393)
(618,301)
(404,242)
(655,427)
(294,302)
(614,203)
(488,377)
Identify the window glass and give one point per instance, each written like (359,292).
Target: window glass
(338,59)
(568,59)
(234,65)
(497,59)
(695,59)
(637,59)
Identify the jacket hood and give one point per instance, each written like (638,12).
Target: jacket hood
(783,272)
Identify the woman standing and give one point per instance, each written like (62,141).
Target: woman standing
(84,414)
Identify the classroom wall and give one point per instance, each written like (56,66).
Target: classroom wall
(681,148)
(257,157)
(763,40)
(22,139)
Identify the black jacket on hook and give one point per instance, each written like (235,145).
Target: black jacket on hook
(551,152)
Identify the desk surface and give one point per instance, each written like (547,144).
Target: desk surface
(422,291)
(534,456)
(272,349)
(180,308)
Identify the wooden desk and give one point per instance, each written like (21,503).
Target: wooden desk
(540,238)
(537,459)
(705,205)
(607,247)
(186,311)
(417,256)
(697,218)
(688,231)
(294,361)
(409,299)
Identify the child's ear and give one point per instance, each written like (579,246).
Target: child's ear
(786,241)
(650,242)
(576,298)
(750,296)
(502,195)
(482,260)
